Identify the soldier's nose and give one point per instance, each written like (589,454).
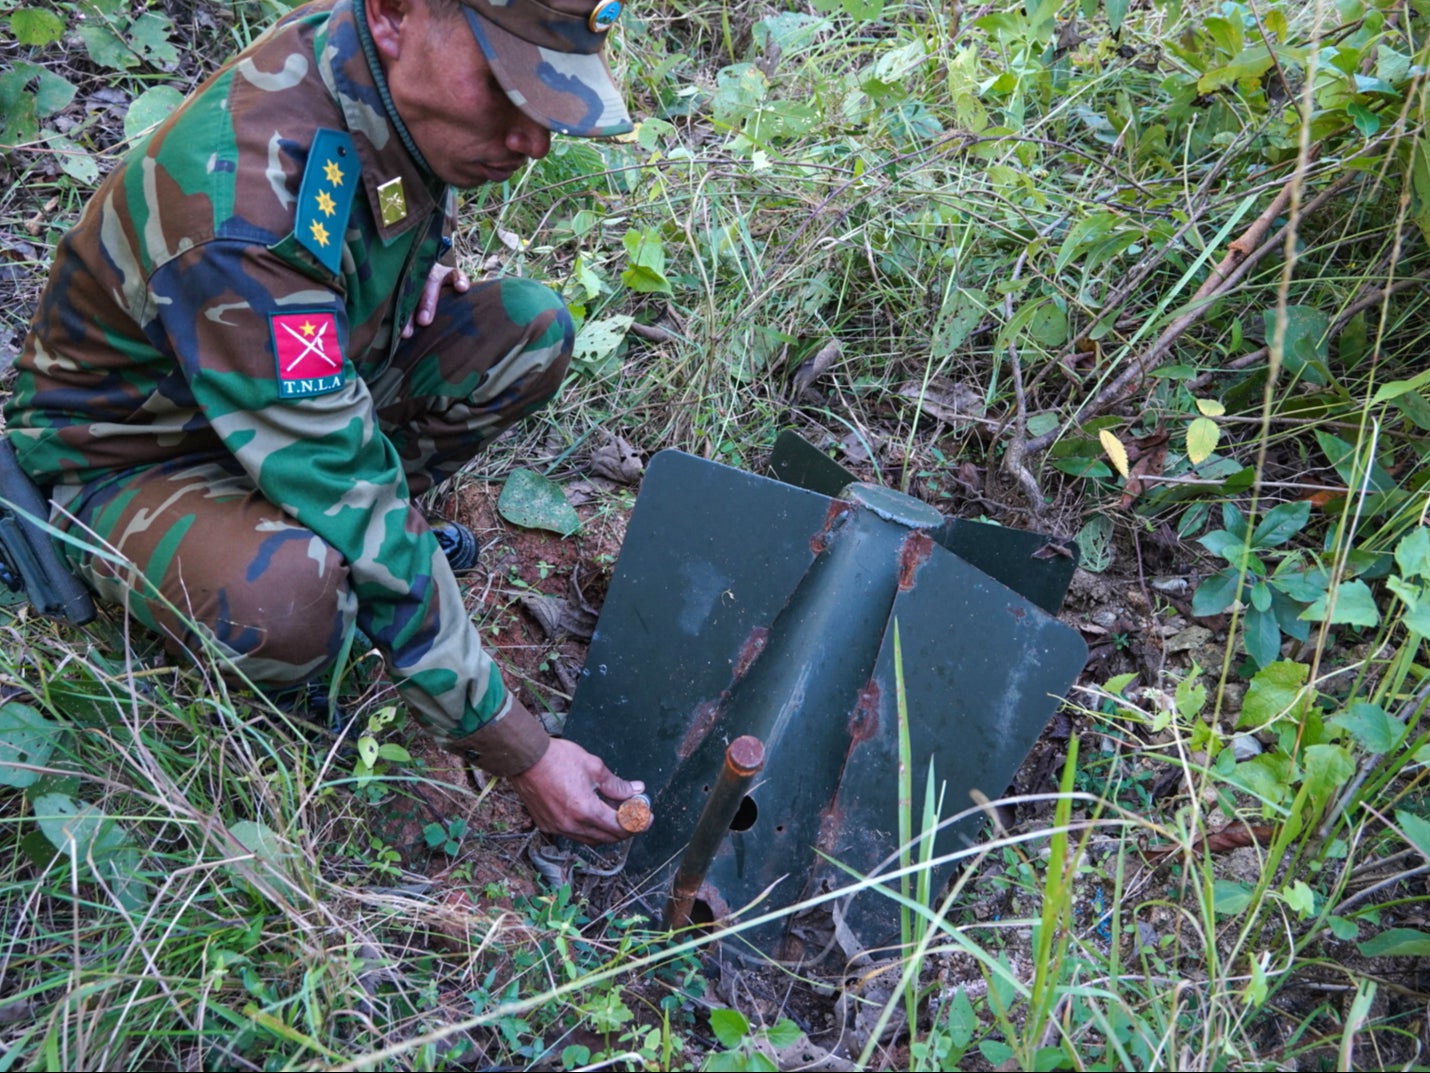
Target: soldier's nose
(529,138)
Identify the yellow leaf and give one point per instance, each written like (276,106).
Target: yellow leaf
(1211,407)
(1202,436)
(1115,451)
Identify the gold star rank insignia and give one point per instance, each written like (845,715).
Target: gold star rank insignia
(392,201)
(325,197)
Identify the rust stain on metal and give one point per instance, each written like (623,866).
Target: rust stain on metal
(706,714)
(750,650)
(1019,613)
(832,517)
(831,823)
(864,723)
(913,553)
(719,908)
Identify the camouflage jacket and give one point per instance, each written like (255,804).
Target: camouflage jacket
(179,316)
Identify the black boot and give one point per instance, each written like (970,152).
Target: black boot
(459,544)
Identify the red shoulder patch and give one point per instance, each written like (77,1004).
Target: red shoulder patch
(308,353)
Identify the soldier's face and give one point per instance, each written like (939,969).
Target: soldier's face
(460,118)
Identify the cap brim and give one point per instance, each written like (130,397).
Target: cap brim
(566,92)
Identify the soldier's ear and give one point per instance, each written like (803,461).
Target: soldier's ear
(388,20)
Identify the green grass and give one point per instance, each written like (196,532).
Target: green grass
(1003,218)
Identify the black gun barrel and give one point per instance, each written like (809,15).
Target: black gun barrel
(27,554)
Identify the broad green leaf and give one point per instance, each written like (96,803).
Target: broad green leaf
(1396,388)
(1215,594)
(598,342)
(1281,523)
(1397,942)
(1228,545)
(1306,342)
(1412,554)
(962,1020)
(863,10)
(1095,542)
(536,502)
(1202,436)
(1248,65)
(645,280)
(1327,768)
(1416,829)
(1266,777)
(87,836)
(1191,695)
(52,92)
(1355,606)
(1083,234)
(958,318)
(1344,460)
(19,122)
(1211,407)
(1342,928)
(1300,898)
(1262,636)
(730,1026)
(1116,12)
(149,109)
(1118,682)
(1302,584)
(1041,318)
(263,842)
(728,1062)
(1287,612)
(995,1052)
(105,48)
(26,737)
(75,160)
(1276,692)
(1370,727)
(71,827)
(149,36)
(1417,604)
(1366,120)
(36,27)
(1233,521)
(783,1033)
(1230,896)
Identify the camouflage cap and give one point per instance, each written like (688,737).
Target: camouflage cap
(548,58)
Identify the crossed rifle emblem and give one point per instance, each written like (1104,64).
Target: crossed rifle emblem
(310,346)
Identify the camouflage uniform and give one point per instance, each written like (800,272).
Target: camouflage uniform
(215,385)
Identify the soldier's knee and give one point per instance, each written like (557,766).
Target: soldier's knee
(288,619)
(540,317)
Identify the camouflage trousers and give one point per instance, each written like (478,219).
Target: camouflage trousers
(195,552)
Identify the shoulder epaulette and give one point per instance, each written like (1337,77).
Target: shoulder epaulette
(330,182)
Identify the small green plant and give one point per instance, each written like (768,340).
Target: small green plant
(446,837)
(374,756)
(1274,598)
(744,1045)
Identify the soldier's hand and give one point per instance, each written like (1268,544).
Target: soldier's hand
(440,276)
(564,793)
